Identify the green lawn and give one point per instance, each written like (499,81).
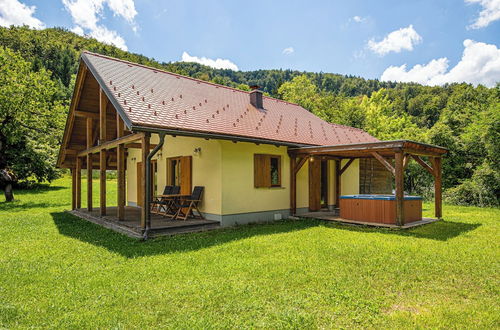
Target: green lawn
(59,271)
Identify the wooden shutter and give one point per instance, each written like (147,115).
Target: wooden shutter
(262,171)
(186,174)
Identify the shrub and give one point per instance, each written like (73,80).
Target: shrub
(482,189)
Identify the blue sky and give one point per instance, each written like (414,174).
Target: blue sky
(448,40)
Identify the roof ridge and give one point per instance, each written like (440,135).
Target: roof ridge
(185,77)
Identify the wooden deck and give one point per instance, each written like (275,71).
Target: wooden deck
(333,216)
(131,225)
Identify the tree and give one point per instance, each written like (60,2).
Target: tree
(31,122)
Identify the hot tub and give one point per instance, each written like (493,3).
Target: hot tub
(379,208)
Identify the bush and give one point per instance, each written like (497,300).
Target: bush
(482,189)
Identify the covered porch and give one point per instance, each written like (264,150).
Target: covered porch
(394,157)
(103,142)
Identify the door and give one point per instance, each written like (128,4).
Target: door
(179,173)
(314,184)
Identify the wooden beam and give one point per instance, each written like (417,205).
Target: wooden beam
(299,165)
(89,164)
(423,164)
(293,184)
(138,145)
(406,161)
(438,203)
(399,178)
(78,183)
(145,139)
(103,103)
(384,162)
(120,156)
(111,144)
(73,188)
(93,115)
(346,166)
(86,114)
(337,182)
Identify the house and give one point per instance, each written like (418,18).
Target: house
(258,158)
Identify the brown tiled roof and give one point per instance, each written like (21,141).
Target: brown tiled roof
(155,98)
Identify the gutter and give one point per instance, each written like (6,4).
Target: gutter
(148,184)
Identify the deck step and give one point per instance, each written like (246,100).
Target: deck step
(185,229)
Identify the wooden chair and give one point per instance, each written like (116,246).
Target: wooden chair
(160,201)
(169,209)
(191,204)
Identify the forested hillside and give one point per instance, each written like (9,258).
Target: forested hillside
(38,70)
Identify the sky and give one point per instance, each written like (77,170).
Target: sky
(427,41)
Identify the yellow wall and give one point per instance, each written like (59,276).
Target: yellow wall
(238,192)
(206,168)
(226,170)
(350,179)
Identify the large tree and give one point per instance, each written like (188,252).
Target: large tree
(31,120)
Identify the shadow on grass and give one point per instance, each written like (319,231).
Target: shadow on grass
(20,205)
(72,226)
(441,230)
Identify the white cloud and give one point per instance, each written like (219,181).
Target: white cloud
(489,13)
(288,50)
(480,64)
(218,63)
(358,19)
(13,12)
(123,8)
(86,15)
(396,41)
(78,30)
(101,33)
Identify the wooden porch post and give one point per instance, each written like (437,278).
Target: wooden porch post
(145,142)
(120,160)
(102,160)
(73,188)
(337,182)
(399,178)
(89,164)
(78,182)
(437,187)
(293,186)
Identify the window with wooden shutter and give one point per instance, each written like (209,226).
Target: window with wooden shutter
(267,171)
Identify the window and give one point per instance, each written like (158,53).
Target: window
(267,171)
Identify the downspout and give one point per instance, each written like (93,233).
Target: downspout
(148,184)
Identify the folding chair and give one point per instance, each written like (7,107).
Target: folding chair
(159,201)
(191,204)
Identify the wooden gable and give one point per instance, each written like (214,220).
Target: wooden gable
(85,106)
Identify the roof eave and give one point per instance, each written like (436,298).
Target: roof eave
(218,136)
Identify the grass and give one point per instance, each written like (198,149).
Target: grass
(57,271)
